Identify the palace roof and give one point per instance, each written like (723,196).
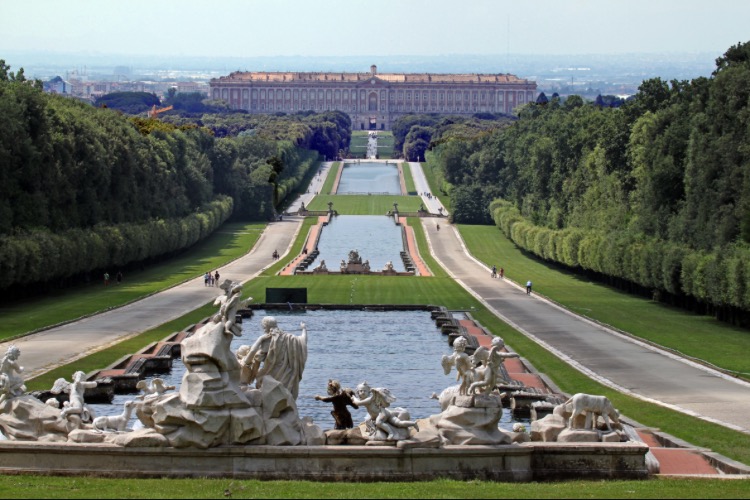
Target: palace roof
(315,77)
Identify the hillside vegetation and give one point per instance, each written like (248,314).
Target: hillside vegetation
(652,196)
(86,189)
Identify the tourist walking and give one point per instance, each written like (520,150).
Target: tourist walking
(528,287)
(106,279)
(206,279)
(502,273)
(494,272)
(216,278)
(118,277)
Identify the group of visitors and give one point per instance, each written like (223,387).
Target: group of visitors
(210,279)
(495,273)
(118,278)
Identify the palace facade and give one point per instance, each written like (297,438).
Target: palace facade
(373,100)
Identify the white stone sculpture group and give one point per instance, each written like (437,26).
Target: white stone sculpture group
(249,397)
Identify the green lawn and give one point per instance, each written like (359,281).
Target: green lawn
(365,204)
(701,337)
(229,242)
(330,179)
(409,179)
(90,487)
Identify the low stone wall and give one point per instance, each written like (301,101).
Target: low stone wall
(525,462)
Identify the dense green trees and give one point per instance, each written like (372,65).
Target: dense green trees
(652,194)
(128,102)
(85,188)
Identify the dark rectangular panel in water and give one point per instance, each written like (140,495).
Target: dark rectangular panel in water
(282,295)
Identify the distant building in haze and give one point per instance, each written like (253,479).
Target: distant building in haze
(373,100)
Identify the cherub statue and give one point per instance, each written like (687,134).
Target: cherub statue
(376,401)
(321,266)
(14,384)
(491,359)
(153,389)
(341,398)
(76,406)
(388,266)
(462,362)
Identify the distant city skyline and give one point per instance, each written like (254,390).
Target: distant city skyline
(351,28)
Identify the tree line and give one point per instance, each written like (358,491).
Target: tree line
(128,188)
(652,195)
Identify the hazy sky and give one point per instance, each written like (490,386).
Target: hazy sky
(372,27)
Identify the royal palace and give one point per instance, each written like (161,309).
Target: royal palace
(373,100)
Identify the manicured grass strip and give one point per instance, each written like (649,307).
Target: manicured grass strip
(328,184)
(355,204)
(408,178)
(702,337)
(91,487)
(229,242)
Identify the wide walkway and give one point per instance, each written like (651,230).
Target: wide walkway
(64,344)
(613,359)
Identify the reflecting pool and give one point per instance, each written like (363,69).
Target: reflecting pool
(369,177)
(376,237)
(399,350)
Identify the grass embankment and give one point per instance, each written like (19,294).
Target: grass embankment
(229,242)
(330,179)
(358,144)
(702,337)
(408,179)
(72,487)
(365,204)
(385,145)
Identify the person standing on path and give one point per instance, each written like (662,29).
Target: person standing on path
(528,287)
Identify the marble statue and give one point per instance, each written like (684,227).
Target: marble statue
(341,398)
(321,266)
(383,424)
(76,411)
(11,380)
(483,357)
(591,406)
(116,422)
(354,257)
(277,354)
(462,362)
(388,266)
(230,303)
(155,387)
(366,265)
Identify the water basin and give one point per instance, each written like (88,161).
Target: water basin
(377,239)
(400,350)
(369,178)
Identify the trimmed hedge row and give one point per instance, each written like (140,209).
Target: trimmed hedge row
(301,162)
(720,278)
(40,256)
